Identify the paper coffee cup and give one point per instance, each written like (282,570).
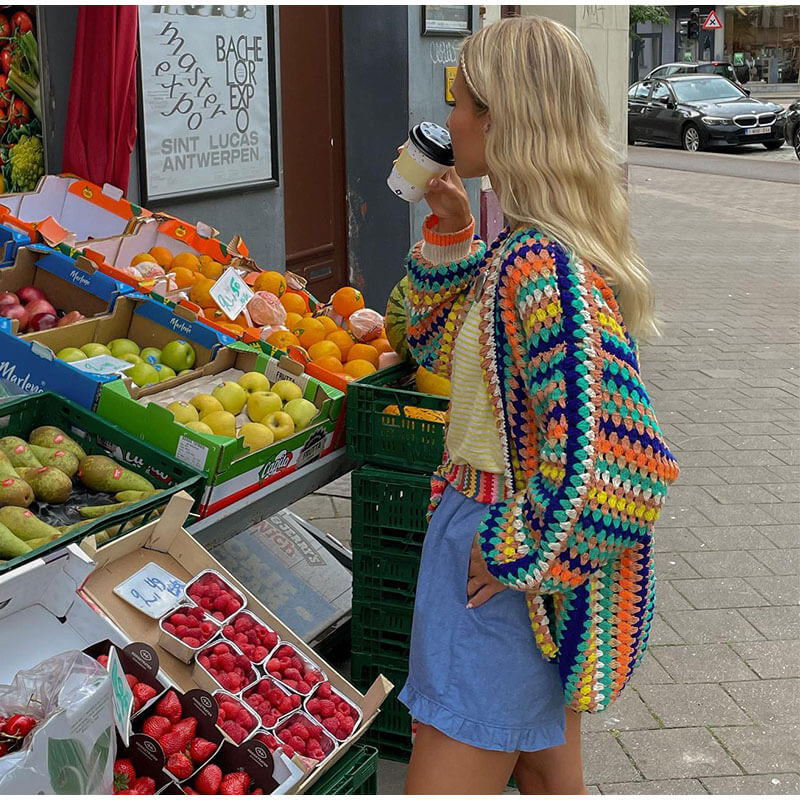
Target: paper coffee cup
(427,154)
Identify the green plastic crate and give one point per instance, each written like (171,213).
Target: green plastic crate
(20,415)
(389,511)
(393,440)
(355,773)
(382,627)
(383,577)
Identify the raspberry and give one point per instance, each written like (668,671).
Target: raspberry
(228,662)
(273,665)
(285,705)
(327,708)
(191,641)
(295,701)
(220,602)
(313,705)
(298,743)
(228,631)
(195,612)
(221,650)
(244,718)
(331,724)
(324,690)
(296,663)
(259,653)
(285,735)
(303,687)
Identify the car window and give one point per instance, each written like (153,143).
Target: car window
(639,91)
(716,88)
(657,73)
(661,93)
(681,70)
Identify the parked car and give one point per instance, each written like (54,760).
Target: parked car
(724,68)
(792,129)
(700,111)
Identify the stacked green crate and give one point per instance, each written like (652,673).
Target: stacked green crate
(391,430)
(355,773)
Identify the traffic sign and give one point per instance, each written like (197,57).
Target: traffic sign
(712,22)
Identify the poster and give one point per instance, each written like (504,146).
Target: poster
(21,145)
(207,99)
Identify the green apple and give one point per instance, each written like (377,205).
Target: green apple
(205,404)
(178,354)
(132,357)
(184,372)
(254,382)
(142,374)
(71,354)
(119,347)
(259,404)
(280,423)
(287,390)
(152,355)
(164,372)
(301,411)
(199,427)
(93,349)
(223,423)
(256,435)
(231,395)
(183,412)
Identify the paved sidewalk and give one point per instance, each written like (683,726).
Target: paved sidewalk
(715,706)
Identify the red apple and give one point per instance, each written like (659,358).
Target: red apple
(43,322)
(15,312)
(70,317)
(8,299)
(28,293)
(36,307)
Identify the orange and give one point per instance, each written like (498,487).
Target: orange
(382,346)
(347,300)
(283,340)
(343,340)
(330,363)
(204,258)
(199,292)
(292,318)
(363,352)
(292,301)
(270,281)
(345,377)
(139,258)
(232,329)
(161,256)
(211,269)
(215,314)
(183,277)
(329,325)
(324,348)
(309,331)
(358,368)
(187,260)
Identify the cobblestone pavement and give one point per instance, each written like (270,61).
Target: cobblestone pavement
(715,706)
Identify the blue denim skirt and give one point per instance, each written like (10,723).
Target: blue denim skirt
(476,674)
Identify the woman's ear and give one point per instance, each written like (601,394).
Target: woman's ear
(488,126)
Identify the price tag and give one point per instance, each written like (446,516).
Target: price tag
(121,695)
(231,293)
(152,590)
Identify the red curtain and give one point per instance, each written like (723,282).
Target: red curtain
(101,117)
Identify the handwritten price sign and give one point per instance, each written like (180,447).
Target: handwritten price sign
(152,590)
(231,293)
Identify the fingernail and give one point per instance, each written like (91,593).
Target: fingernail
(469,605)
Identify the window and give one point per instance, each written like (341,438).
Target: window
(660,72)
(661,93)
(716,88)
(639,91)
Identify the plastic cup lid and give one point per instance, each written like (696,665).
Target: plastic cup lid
(434,141)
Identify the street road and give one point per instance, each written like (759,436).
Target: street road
(751,161)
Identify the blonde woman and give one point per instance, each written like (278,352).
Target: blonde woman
(535,591)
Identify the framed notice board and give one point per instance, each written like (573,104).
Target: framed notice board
(207,108)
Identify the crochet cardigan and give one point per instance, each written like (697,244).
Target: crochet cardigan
(586,466)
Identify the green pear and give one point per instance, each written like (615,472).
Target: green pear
(50,485)
(60,459)
(93,512)
(19,452)
(6,467)
(10,545)
(26,525)
(34,543)
(132,496)
(103,474)
(15,492)
(50,436)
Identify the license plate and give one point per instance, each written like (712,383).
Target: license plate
(757,131)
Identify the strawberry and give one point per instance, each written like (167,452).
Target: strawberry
(185,729)
(156,726)
(103,661)
(144,786)
(132,680)
(189,790)
(172,743)
(201,750)
(208,779)
(180,766)
(144,692)
(124,774)
(169,706)
(235,783)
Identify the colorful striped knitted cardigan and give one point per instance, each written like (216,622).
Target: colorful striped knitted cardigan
(586,466)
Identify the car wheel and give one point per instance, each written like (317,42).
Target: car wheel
(690,138)
(796,141)
(773,145)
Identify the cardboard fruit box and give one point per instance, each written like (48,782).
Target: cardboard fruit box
(30,361)
(233,470)
(167,543)
(68,285)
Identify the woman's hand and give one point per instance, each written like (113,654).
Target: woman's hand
(481,585)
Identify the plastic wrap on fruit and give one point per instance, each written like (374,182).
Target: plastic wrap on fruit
(266,309)
(132,271)
(366,324)
(149,270)
(270,329)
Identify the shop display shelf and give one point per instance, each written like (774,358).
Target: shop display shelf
(385,577)
(355,773)
(411,443)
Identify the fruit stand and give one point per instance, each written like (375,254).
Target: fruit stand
(160,393)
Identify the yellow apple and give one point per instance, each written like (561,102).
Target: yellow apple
(256,435)
(231,395)
(281,425)
(205,404)
(199,427)
(259,404)
(223,423)
(183,412)
(254,382)
(301,411)
(287,390)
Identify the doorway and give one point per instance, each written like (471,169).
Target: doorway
(312,120)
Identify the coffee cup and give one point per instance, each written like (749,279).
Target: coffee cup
(427,154)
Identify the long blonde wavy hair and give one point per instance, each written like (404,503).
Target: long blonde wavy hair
(549,153)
